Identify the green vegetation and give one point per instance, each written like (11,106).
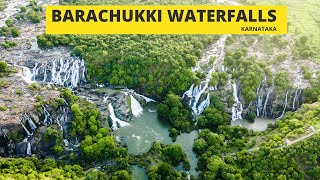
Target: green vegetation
(214,116)
(53,139)
(3,4)
(33,12)
(3,83)
(8,44)
(9,23)
(97,146)
(249,71)
(173,111)
(33,168)
(223,152)
(219,79)
(161,159)
(4,68)
(302,16)
(131,60)
(3,108)
(135,2)
(312,94)
(86,119)
(9,30)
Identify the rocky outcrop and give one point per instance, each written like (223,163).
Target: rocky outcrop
(272,104)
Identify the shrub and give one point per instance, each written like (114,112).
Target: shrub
(3,108)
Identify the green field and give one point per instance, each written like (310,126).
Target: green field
(303,15)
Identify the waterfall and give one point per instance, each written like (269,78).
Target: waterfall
(31,123)
(195,92)
(237,108)
(25,129)
(285,105)
(115,120)
(66,142)
(47,116)
(28,151)
(266,103)
(197,98)
(147,99)
(189,92)
(25,74)
(294,99)
(259,105)
(259,102)
(204,104)
(68,72)
(136,108)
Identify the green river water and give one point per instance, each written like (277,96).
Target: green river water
(146,129)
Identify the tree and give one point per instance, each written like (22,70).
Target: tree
(33,16)
(200,146)
(174,154)
(173,110)
(9,23)
(122,175)
(3,68)
(15,32)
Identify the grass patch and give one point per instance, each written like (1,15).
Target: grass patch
(3,4)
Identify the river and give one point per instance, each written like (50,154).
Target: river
(259,124)
(146,129)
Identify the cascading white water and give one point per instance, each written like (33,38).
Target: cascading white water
(195,92)
(147,99)
(197,97)
(264,112)
(116,121)
(294,99)
(68,72)
(31,123)
(28,151)
(136,108)
(259,102)
(189,93)
(204,104)
(25,129)
(237,108)
(285,105)
(25,73)
(47,119)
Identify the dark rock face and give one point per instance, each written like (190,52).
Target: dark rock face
(121,106)
(31,129)
(272,104)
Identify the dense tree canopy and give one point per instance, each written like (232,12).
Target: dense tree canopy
(174,111)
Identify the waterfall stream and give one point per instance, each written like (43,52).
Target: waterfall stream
(116,121)
(68,72)
(295,99)
(136,108)
(259,102)
(237,107)
(264,112)
(285,105)
(28,151)
(47,120)
(204,104)
(25,129)
(31,123)
(195,92)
